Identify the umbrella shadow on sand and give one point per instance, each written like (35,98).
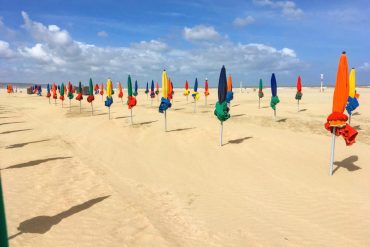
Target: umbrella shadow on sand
(10,123)
(348,163)
(19,145)
(13,131)
(283,120)
(180,129)
(42,224)
(145,123)
(238,141)
(34,163)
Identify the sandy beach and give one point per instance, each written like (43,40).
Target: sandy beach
(72,179)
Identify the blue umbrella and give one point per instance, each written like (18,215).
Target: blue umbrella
(135,90)
(147,88)
(196,85)
(222,86)
(152,93)
(274,99)
(195,94)
(222,110)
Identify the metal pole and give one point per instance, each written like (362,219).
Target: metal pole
(221,131)
(131,115)
(259,103)
(165,121)
(49,100)
(187,98)
(275,114)
(205,103)
(109,113)
(69,104)
(332,152)
(298,105)
(195,105)
(80,106)
(349,119)
(92,109)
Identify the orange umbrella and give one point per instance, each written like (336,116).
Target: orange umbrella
(120,91)
(170,89)
(336,121)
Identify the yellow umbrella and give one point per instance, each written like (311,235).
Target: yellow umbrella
(164,84)
(352,83)
(109,100)
(109,88)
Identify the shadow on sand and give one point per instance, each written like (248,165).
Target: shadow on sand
(283,120)
(238,115)
(144,123)
(34,163)
(10,123)
(348,163)
(13,131)
(42,224)
(238,141)
(19,145)
(180,129)
(302,110)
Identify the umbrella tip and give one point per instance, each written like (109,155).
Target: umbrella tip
(353,67)
(343,52)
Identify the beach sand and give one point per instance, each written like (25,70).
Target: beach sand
(73,179)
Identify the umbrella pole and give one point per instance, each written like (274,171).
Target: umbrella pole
(62,103)
(55,102)
(49,100)
(69,104)
(151,102)
(221,132)
(80,106)
(92,109)
(122,101)
(187,99)
(131,115)
(195,105)
(165,121)
(332,152)
(275,114)
(205,103)
(259,103)
(298,105)
(349,119)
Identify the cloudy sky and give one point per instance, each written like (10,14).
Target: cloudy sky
(54,40)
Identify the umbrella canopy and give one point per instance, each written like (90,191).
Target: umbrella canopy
(195,94)
(229,83)
(109,100)
(164,84)
(165,102)
(54,90)
(147,88)
(298,96)
(196,85)
(61,97)
(90,98)
(337,119)
(120,90)
(101,89)
(260,89)
(352,102)
(156,88)
(136,88)
(222,110)
(129,86)
(273,85)
(206,92)
(48,91)
(70,93)
(222,86)
(131,100)
(152,94)
(187,91)
(170,90)
(274,99)
(96,88)
(299,84)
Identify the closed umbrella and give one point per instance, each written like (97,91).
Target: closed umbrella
(91,98)
(3,228)
(274,98)
(70,94)
(79,96)
(109,99)
(298,95)
(222,109)
(165,102)
(187,91)
(352,102)
(206,91)
(131,100)
(48,94)
(336,121)
(152,93)
(61,97)
(260,93)
(136,89)
(195,94)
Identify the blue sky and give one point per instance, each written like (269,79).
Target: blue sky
(44,41)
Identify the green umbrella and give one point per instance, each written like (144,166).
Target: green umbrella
(260,93)
(3,231)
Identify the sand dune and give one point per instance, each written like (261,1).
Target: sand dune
(72,179)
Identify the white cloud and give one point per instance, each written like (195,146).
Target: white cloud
(365,66)
(200,33)
(242,22)
(102,34)
(288,8)
(5,51)
(49,59)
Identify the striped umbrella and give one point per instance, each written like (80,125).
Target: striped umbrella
(336,121)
